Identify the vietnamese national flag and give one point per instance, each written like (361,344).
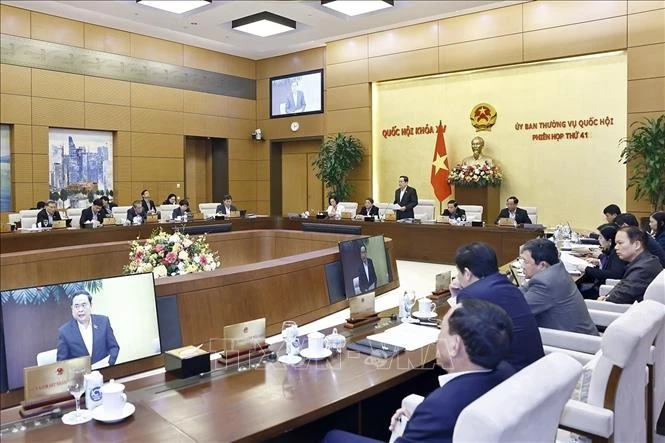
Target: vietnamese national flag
(440,171)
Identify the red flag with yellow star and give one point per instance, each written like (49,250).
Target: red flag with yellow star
(440,171)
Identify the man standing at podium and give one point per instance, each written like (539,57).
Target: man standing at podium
(406,197)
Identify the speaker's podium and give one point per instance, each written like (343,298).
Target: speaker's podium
(488,197)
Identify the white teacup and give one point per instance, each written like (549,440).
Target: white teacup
(113,398)
(315,341)
(425,306)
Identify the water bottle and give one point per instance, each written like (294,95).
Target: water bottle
(93,393)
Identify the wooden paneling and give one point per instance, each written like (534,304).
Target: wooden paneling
(122,143)
(294,182)
(242,149)
(346,97)
(646,61)
(151,120)
(584,38)
(23,196)
(359,119)
(40,139)
(635,6)
(263,170)
(122,169)
(40,191)
(56,29)
(205,59)
(346,50)
(481,25)
(157,169)
(646,28)
(279,128)
(52,84)
(14,80)
(240,170)
(122,193)
(107,39)
(243,190)
(156,49)
(198,171)
(547,14)
(481,53)
(40,171)
(14,21)
(106,90)
(347,73)
(362,171)
(22,169)
(21,139)
(212,104)
(204,125)
(156,97)
(54,112)
(646,95)
(361,190)
(409,38)
(263,89)
(290,63)
(156,145)
(108,117)
(15,109)
(406,64)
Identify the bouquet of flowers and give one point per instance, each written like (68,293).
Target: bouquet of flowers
(475,176)
(166,254)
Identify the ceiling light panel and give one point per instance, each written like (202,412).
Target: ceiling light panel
(175,6)
(357,7)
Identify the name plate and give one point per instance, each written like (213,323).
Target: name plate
(390,216)
(109,221)
(362,305)
(49,380)
(234,214)
(152,218)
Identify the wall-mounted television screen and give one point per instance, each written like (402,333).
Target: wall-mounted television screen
(114,320)
(296,94)
(364,265)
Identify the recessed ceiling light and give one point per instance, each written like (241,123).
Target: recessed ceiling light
(175,6)
(357,7)
(264,24)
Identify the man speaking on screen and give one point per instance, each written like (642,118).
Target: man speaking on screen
(295,102)
(87,334)
(366,273)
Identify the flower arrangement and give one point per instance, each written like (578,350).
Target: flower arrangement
(475,176)
(166,254)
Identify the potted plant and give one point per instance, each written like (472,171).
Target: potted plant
(338,155)
(645,151)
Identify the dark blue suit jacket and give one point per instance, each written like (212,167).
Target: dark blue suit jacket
(409,201)
(526,346)
(70,342)
(362,277)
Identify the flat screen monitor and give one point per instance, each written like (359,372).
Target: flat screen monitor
(296,94)
(41,325)
(364,265)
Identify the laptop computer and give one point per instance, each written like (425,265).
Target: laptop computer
(245,335)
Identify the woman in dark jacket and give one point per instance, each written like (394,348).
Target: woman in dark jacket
(610,265)
(657,225)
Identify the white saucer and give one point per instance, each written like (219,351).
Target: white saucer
(419,314)
(319,354)
(289,359)
(100,414)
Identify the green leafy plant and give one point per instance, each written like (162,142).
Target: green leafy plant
(338,155)
(645,151)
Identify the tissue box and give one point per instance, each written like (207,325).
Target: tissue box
(187,361)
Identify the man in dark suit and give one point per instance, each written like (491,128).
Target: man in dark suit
(136,215)
(369,209)
(478,277)
(406,197)
(295,101)
(650,244)
(366,274)
(108,205)
(226,207)
(513,212)
(475,337)
(94,213)
(454,212)
(87,334)
(148,205)
(48,215)
(182,211)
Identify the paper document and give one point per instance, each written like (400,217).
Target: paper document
(408,336)
(571,262)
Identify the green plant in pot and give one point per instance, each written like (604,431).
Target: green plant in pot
(644,149)
(338,155)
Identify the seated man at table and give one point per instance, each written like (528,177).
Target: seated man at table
(148,204)
(94,214)
(513,212)
(48,215)
(454,211)
(611,212)
(551,292)
(369,209)
(627,219)
(136,215)
(478,277)
(108,205)
(226,207)
(642,267)
(474,339)
(182,211)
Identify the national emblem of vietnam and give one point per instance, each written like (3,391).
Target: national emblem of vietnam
(483,117)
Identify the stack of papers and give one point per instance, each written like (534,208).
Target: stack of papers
(571,262)
(408,336)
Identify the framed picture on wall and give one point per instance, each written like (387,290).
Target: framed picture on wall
(5,170)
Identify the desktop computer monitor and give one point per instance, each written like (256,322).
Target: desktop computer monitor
(364,265)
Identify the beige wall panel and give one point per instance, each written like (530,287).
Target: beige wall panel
(165,188)
(409,38)
(263,151)
(108,117)
(157,169)
(14,21)
(122,169)
(52,84)
(21,137)
(152,120)
(547,14)
(640,117)
(54,112)
(346,50)
(301,147)
(279,128)
(208,60)
(481,25)
(56,29)
(263,89)
(635,6)
(646,28)
(107,39)
(205,125)
(156,97)
(347,73)
(22,168)
(40,191)
(584,38)
(40,168)
(122,144)
(23,197)
(359,119)
(363,171)
(361,189)
(239,128)
(346,97)
(242,190)
(262,189)
(243,149)
(263,109)
(646,95)
(156,49)
(406,64)
(481,53)
(106,90)
(14,80)
(263,170)
(220,105)
(646,61)
(263,207)
(122,193)
(242,170)
(15,109)
(290,63)
(146,144)
(40,139)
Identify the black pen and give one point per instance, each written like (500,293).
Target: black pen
(431,325)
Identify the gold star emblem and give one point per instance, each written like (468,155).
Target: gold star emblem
(440,163)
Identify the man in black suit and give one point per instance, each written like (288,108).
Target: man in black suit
(454,211)
(366,273)
(226,207)
(369,209)
(48,215)
(406,197)
(94,213)
(136,215)
(513,212)
(148,205)
(181,211)
(108,205)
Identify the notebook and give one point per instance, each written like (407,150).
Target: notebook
(245,335)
